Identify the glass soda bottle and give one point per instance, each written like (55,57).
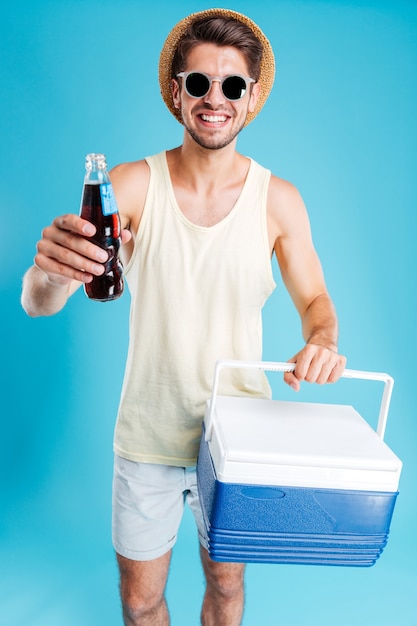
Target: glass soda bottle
(99,206)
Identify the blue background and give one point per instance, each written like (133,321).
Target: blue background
(81,76)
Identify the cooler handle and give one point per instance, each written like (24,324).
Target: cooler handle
(289,367)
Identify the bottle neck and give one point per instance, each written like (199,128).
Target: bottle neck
(96,169)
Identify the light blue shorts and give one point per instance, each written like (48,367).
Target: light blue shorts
(148,504)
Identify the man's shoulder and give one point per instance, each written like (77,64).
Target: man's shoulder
(277,185)
(130,170)
(131,181)
(282,190)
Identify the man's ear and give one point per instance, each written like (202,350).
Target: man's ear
(176,93)
(256,90)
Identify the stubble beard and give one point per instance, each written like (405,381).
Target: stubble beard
(213,143)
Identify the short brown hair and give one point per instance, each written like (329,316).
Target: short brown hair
(221,31)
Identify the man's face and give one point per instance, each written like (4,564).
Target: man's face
(212,120)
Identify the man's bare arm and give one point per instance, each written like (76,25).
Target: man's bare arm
(41,297)
(318,361)
(65,259)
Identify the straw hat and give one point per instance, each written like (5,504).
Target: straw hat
(267,73)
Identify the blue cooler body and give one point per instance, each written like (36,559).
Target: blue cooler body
(294,482)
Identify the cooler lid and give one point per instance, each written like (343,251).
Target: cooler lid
(324,444)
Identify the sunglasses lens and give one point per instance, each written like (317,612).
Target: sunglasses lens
(234,87)
(197,85)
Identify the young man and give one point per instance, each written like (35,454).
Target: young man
(201,223)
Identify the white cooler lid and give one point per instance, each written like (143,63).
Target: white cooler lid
(275,442)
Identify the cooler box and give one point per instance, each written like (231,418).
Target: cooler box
(295,482)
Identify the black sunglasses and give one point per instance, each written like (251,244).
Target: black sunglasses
(198,84)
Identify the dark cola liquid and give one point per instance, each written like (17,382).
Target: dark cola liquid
(109,285)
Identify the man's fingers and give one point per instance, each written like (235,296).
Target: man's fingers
(74,223)
(65,273)
(126,235)
(291,380)
(315,364)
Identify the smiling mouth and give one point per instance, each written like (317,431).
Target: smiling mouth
(214,119)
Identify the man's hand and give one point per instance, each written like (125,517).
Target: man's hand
(65,259)
(65,253)
(315,364)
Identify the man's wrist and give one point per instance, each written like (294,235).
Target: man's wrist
(320,341)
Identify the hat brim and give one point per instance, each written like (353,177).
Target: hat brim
(267,68)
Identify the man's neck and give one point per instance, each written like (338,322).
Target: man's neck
(203,168)
(207,183)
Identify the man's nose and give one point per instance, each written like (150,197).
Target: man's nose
(215,95)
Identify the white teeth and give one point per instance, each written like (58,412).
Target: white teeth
(214,118)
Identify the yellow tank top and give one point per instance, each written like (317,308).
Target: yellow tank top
(196,297)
